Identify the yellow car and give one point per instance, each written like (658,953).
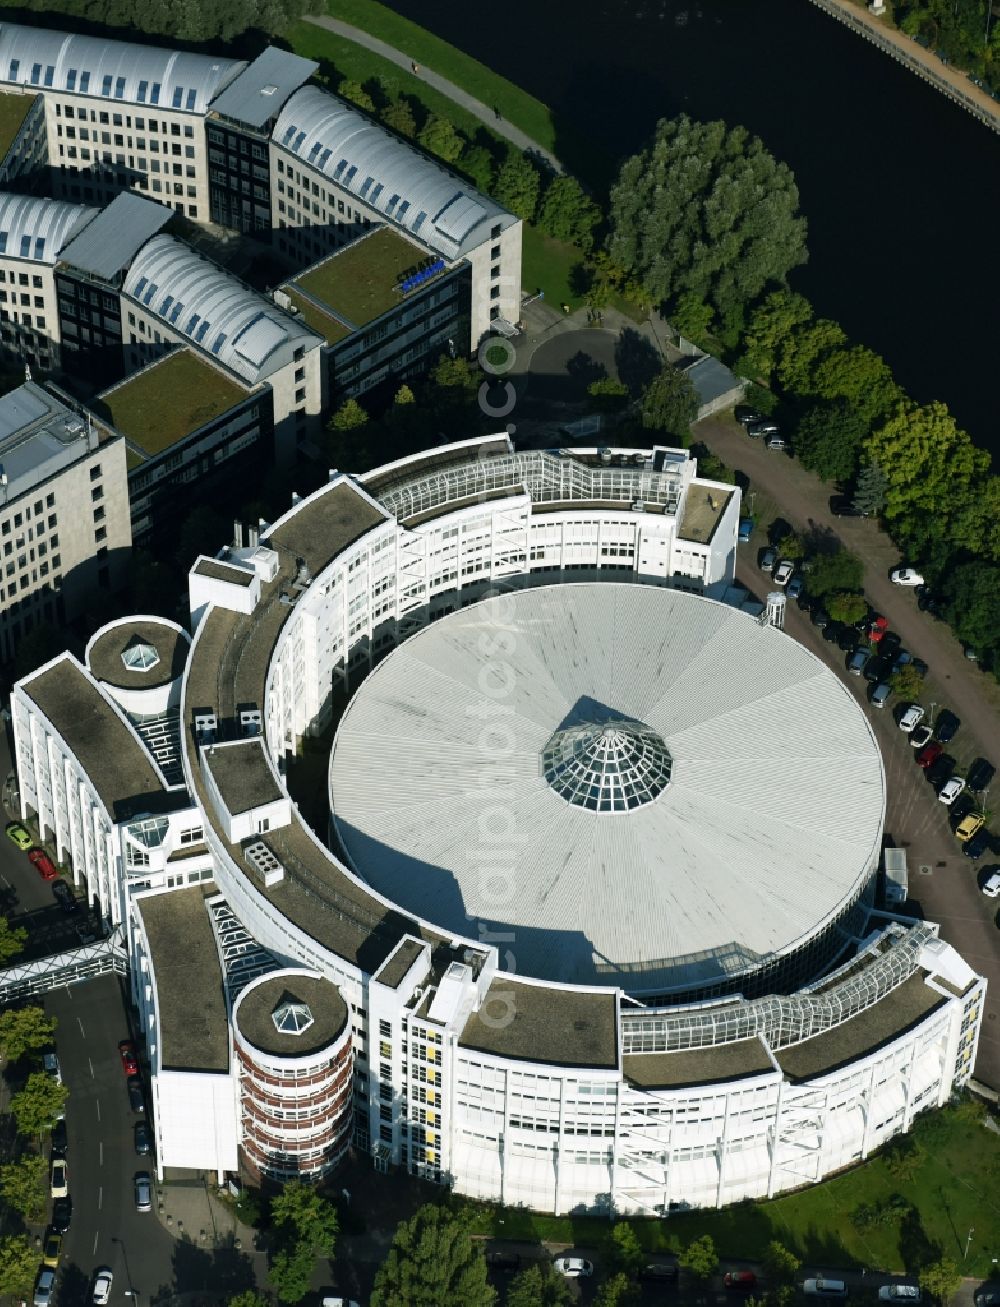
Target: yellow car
(53,1246)
(20,836)
(969,826)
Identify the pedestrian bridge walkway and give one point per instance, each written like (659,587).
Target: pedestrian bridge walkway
(28,979)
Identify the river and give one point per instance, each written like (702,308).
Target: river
(898,184)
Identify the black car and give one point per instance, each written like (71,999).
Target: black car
(843,506)
(961,808)
(890,644)
(144,1143)
(62,1214)
(919,666)
(946,726)
(877,670)
(981,842)
(929,602)
(136,1099)
(940,769)
(65,897)
(820,617)
(660,1271)
(980,774)
(59,1138)
(744,414)
(849,639)
(833,631)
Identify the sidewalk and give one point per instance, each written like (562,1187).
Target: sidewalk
(483,112)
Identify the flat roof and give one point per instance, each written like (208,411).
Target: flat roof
(411,469)
(221,571)
(256,1004)
(325,525)
(396,967)
(900,1009)
(703,510)
(14,109)
(106,747)
(360,281)
(243,775)
(111,240)
(470,501)
(318,316)
(39,436)
(560,1027)
(169,400)
(190,998)
(735,1061)
(257,94)
(104,656)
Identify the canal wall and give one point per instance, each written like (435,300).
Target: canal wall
(918,60)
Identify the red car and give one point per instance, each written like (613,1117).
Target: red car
(877,629)
(130,1064)
(929,754)
(744,1281)
(43,864)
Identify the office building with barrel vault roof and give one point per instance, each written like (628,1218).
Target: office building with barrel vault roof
(550,941)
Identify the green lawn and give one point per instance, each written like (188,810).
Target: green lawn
(547,264)
(360,282)
(13,111)
(517,106)
(329,328)
(168,401)
(952,1190)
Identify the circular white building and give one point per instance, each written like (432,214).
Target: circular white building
(690,800)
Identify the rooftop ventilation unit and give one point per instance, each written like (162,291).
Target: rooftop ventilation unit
(264,862)
(206,726)
(251,723)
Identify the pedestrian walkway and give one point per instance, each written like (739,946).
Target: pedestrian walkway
(487,114)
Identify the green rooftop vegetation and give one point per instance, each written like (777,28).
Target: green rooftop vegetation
(13,111)
(313,316)
(360,282)
(168,401)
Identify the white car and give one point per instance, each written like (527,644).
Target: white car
(950,790)
(921,736)
(905,576)
(574,1267)
(912,718)
(783,572)
(991,886)
(60,1179)
(899,1293)
(103,1280)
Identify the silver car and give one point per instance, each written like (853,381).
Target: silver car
(143,1192)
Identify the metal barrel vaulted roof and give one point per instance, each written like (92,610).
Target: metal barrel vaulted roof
(628,785)
(112,70)
(35,228)
(395,179)
(214,310)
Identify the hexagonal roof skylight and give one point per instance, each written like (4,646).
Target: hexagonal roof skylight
(139,656)
(291,1017)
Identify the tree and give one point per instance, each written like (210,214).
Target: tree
(567,213)
(692,317)
(478,164)
(973,608)
(843,606)
(700,1257)
(432,1262)
(861,379)
(39,1103)
(791,547)
(24,1030)
(770,326)
(828,440)
(837,571)
(903,1158)
(539,1285)
(349,417)
(670,404)
(18,1265)
(249,1207)
(516,185)
(24,1186)
(907,683)
(439,136)
(869,492)
(941,1279)
(398,114)
(627,1253)
(12,940)
(347,445)
(349,89)
(299,1212)
(711,468)
(248,1299)
(291,1272)
(605,279)
(781,1266)
(451,395)
(609,394)
(615,1292)
(706,209)
(803,352)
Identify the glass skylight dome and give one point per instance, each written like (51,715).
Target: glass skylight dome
(139,656)
(291,1017)
(607,767)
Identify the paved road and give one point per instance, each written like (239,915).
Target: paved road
(486,113)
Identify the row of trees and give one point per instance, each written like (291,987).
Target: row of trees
(206,21)
(963,30)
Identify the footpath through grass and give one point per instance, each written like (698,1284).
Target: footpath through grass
(948,1186)
(517,106)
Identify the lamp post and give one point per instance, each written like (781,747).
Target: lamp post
(130,1291)
(968,1240)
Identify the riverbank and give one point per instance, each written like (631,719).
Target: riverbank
(951,82)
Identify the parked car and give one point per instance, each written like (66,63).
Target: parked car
(912,718)
(43,864)
(65,897)
(822,1288)
(905,576)
(573,1267)
(951,789)
(143,1139)
(62,1214)
(900,1293)
(59,1138)
(18,833)
(921,736)
(775,442)
(970,825)
(136,1100)
(768,559)
(928,602)
(660,1271)
(143,1192)
(820,617)
(103,1280)
(762,427)
(52,1247)
(795,587)
(980,843)
(877,629)
(848,638)
(987,1295)
(44,1287)
(903,659)
(783,572)
(59,1182)
(744,413)
(880,695)
(980,775)
(929,754)
(946,726)
(51,1064)
(126,1051)
(742,1281)
(940,769)
(890,644)
(856,661)
(746,530)
(843,506)
(991,888)
(877,669)
(919,666)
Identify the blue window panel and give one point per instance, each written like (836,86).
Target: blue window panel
(199,335)
(119,88)
(36,74)
(218,343)
(155,97)
(150,292)
(339,169)
(324,158)
(175,312)
(143,90)
(50,72)
(84,83)
(3,242)
(298,140)
(71,80)
(192,323)
(39,247)
(289,133)
(141,285)
(377,192)
(191,98)
(178,97)
(315,150)
(352,172)
(421,219)
(106,84)
(25,247)
(15,68)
